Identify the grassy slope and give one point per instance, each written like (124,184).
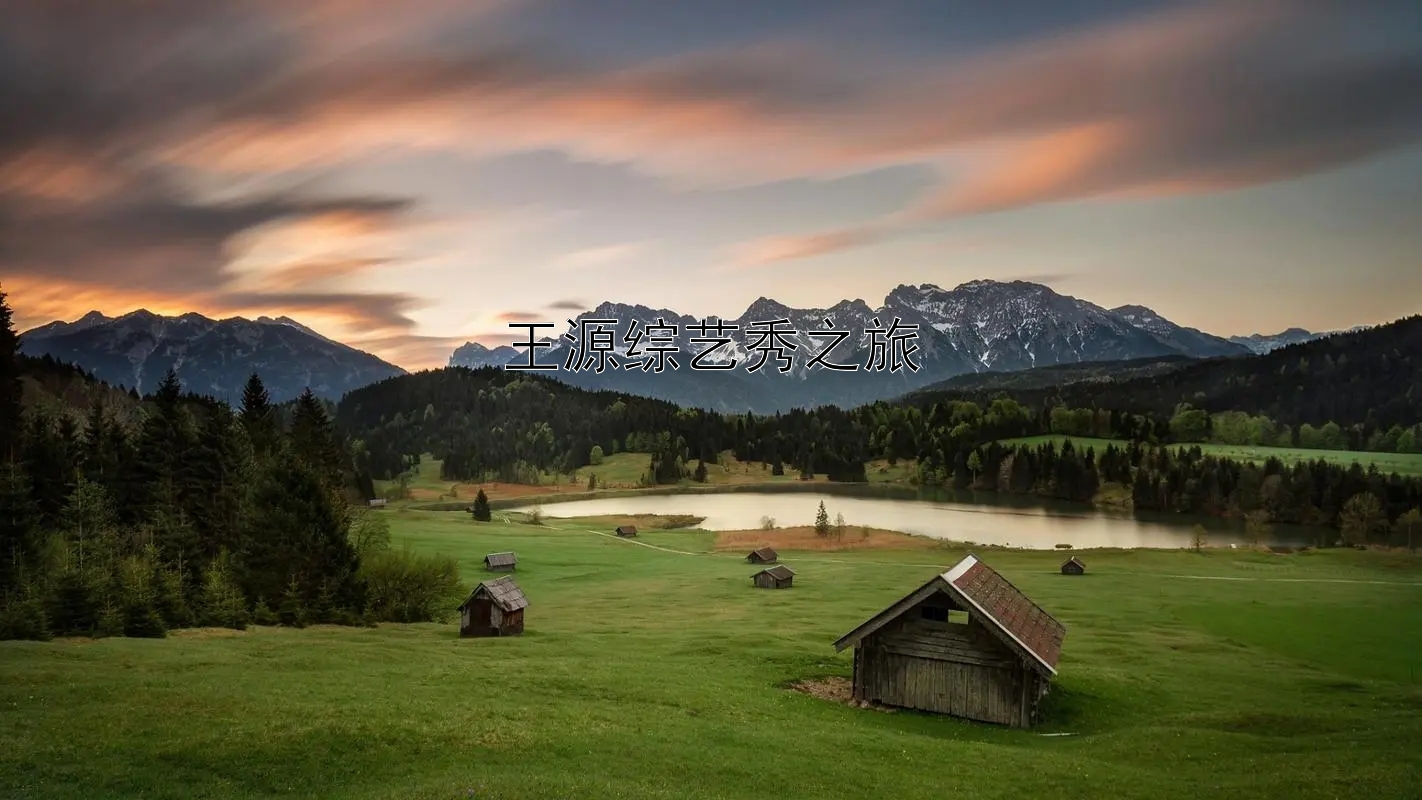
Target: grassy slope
(1402,463)
(646,673)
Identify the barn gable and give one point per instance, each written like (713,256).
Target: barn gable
(972,586)
(503,592)
(500,560)
(779,572)
(764,555)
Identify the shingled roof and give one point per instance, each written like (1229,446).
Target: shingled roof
(765,553)
(779,572)
(975,586)
(500,560)
(503,591)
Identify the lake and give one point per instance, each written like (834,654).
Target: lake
(1001,523)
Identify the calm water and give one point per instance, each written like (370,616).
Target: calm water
(977,522)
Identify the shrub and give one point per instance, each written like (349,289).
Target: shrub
(767,523)
(24,618)
(407,587)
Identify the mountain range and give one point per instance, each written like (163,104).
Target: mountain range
(979,327)
(210,356)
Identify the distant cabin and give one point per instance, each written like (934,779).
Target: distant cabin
(500,562)
(777,577)
(966,643)
(765,555)
(378,502)
(626,530)
(1073,567)
(494,608)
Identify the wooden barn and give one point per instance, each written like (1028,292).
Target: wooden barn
(764,555)
(966,643)
(494,608)
(1073,566)
(626,530)
(500,562)
(777,577)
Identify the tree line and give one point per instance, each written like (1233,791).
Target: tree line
(182,511)
(490,424)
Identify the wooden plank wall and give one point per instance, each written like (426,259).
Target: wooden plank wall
(946,668)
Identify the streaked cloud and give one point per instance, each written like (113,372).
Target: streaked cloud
(201,152)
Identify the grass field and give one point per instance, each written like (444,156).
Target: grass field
(648,672)
(1401,463)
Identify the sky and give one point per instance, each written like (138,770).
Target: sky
(406,177)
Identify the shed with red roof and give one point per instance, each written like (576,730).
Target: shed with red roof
(966,643)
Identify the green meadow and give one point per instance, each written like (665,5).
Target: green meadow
(652,669)
(1401,463)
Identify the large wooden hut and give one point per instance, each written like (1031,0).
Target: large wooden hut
(966,643)
(626,530)
(763,555)
(776,577)
(1073,566)
(500,562)
(494,608)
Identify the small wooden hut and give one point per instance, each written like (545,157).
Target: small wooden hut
(500,562)
(626,530)
(1073,566)
(763,555)
(378,502)
(966,643)
(776,577)
(494,608)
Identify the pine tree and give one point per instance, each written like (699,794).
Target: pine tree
(822,523)
(220,470)
(221,603)
(482,512)
(10,389)
(165,450)
(314,441)
(258,417)
(19,528)
(296,531)
(700,475)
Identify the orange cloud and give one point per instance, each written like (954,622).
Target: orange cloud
(789,248)
(1054,166)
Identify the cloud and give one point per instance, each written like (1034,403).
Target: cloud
(411,351)
(302,274)
(114,115)
(567,305)
(520,316)
(597,257)
(789,248)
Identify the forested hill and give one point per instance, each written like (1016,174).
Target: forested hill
(493,423)
(1372,376)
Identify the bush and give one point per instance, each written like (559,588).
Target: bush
(24,618)
(535,516)
(767,523)
(264,615)
(142,621)
(407,587)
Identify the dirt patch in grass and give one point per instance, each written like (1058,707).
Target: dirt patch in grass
(805,538)
(207,633)
(832,689)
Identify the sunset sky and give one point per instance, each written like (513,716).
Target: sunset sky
(407,180)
